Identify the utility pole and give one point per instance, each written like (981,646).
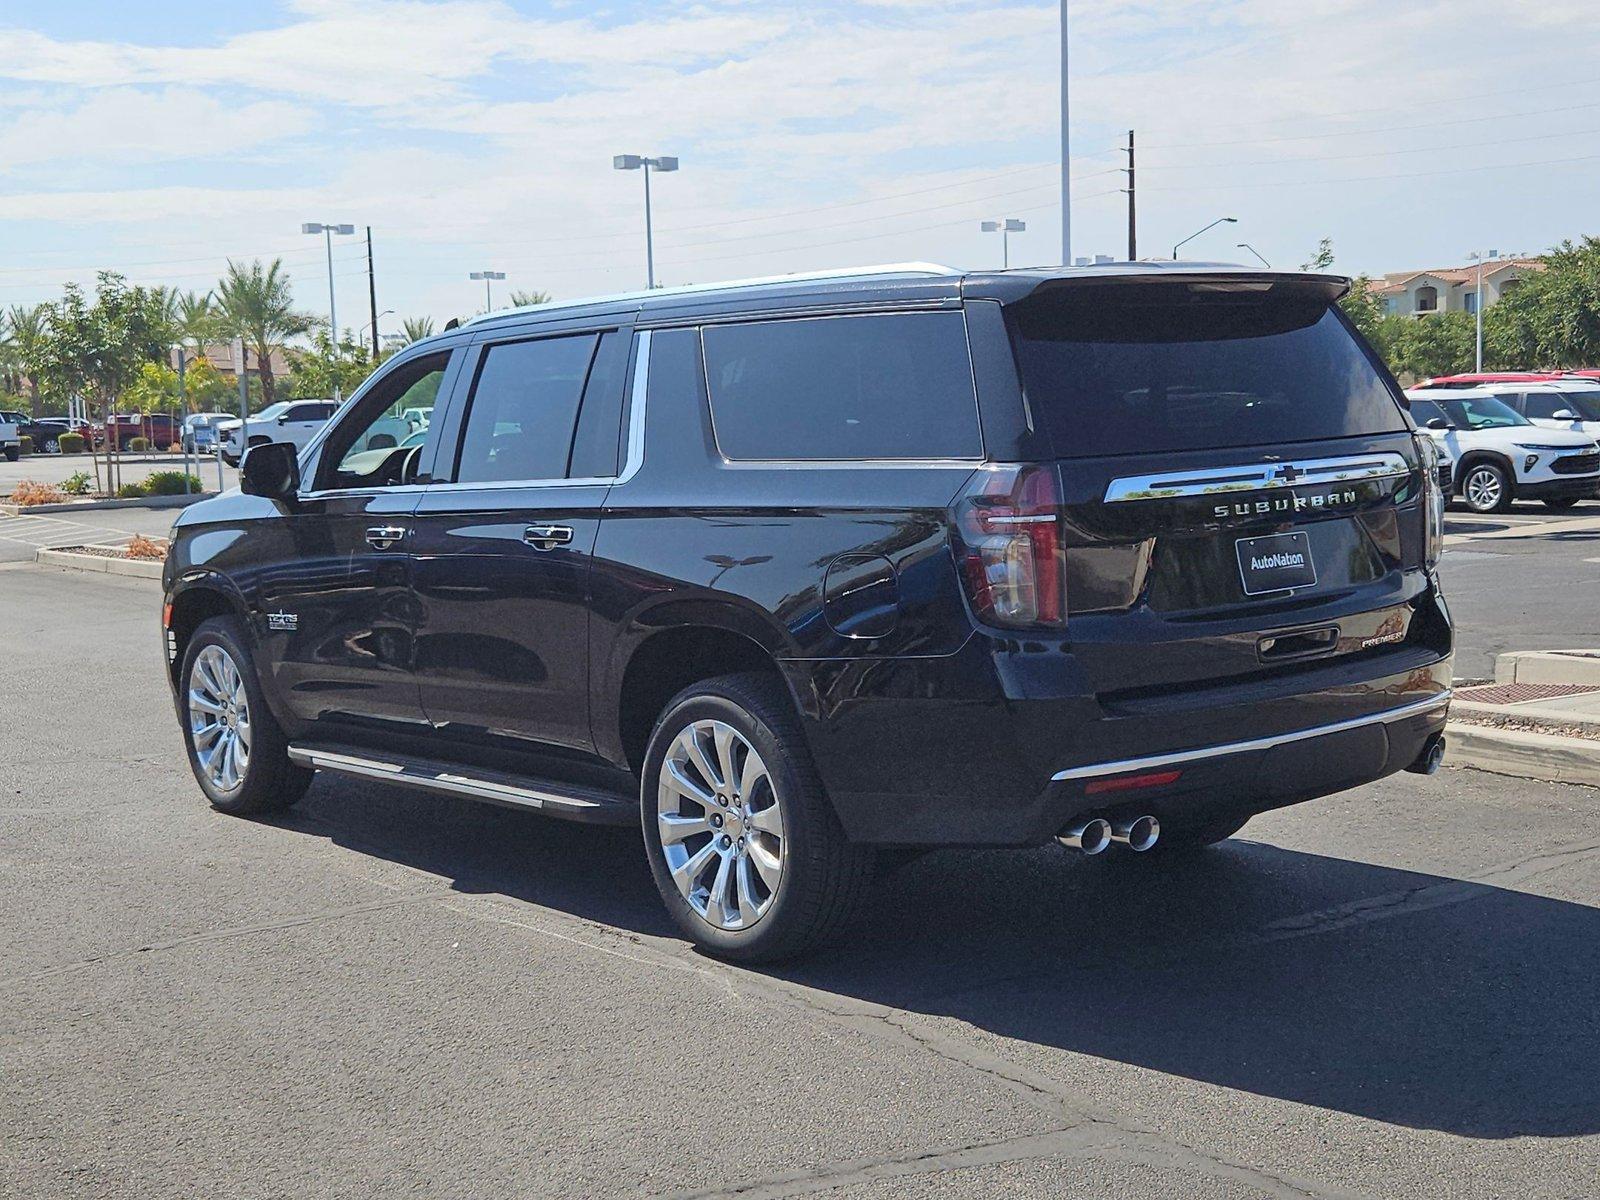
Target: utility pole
(372,295)
(1133,220)
(1066,151)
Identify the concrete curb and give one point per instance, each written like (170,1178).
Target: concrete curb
(1548,666)
(12,510)
(136,567)
(1523,754)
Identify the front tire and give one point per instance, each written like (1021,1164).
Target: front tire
(745,848)
(236,750)
(1486,488)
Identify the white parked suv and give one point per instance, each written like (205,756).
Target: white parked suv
(1572,404)
(1500,456)
(10,436)
(293,421)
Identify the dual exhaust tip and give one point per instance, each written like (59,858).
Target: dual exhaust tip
(1096,834)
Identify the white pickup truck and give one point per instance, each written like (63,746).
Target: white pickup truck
(10,437)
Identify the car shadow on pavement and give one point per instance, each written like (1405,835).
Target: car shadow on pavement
(1403,997)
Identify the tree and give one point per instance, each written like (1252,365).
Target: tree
(257,305)
(26,328)
(98,350)
(1360,304)
(1437,344)
(1552,317)
(314,373)
(414,329)
(523,299)
(198,322)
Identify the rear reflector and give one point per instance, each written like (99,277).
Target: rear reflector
(1130,783)
(166,616)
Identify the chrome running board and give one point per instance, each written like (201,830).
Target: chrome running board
(559,799)
(1154,761)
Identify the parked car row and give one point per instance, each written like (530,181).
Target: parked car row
(296,422)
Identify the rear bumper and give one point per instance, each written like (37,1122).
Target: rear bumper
(975,750)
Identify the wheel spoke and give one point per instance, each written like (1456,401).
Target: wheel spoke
(677,779)
(691,743)
(768,820)
(718,909)
(203,702)
(686,872)
(749,906)
(750,778)
(676,828)
(722,736)
(767,864)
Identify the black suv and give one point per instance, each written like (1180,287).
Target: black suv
(794,573)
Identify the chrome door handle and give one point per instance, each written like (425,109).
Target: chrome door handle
(547,537)
(381,537)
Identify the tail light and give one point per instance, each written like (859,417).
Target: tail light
(1008,528)
(1433,500)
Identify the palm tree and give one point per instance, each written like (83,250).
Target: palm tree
(521,299)
(257,305)
(414,329)
(27,329)
(198,321)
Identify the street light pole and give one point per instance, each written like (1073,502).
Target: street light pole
(635,162)
(1005,228)
(1198,232)
(488,278)
(327,232)
(1477,305)
(1253,250)
(1066,151)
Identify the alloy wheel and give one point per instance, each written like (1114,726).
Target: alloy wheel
(1484,489)
(721,825)
(219,718)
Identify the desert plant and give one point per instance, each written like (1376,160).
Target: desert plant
(138,445)
(72,443)
(131,491)
(79,483)
(28,492)
(146,548)
(170,483)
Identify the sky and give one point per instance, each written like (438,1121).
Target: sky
(161,139)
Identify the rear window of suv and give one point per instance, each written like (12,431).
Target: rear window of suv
(1161,367)
(895,386)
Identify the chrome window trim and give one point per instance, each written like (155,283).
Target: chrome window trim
(1156,761)
(846,463)
(637,393)
(1255,477)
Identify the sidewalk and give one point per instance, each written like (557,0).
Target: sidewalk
(1540,719)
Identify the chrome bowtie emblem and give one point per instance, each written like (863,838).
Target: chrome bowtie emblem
(1287,473)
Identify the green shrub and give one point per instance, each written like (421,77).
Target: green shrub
(170,483)
(138,445)
(130,491)
(27,444)
(79,483)
(72,443)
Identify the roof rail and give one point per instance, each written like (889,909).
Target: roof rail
(930,270)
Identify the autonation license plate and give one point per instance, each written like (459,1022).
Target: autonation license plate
(1275,563)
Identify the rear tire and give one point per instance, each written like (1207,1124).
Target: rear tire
(237,751)
(745,848)
(1486,488)
(13,453)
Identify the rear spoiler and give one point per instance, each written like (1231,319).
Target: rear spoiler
(1011,287)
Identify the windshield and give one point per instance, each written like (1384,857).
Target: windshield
(271,410)
(1476,412)
(1151,368)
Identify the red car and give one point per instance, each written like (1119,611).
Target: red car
(157,429)
(1491,377)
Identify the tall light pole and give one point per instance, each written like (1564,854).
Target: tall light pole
(1477,301)
(327,232)
(1005,228)
(635,162)
(1253,250)
(1066,151)
(1198,232)
(488,278)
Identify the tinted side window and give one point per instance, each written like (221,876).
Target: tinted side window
(1540,404)
(523,410)
(895,386)
(597,448)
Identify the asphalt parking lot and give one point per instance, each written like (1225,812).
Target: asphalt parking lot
(1388,993)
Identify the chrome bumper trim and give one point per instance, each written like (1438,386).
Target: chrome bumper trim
(1128,765)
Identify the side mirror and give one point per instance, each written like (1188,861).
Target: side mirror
(271,470)
(283,418)
(1439,423)
(1564,414)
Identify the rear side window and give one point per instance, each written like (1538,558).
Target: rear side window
(1157,367)
(866,387)
(523,410)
